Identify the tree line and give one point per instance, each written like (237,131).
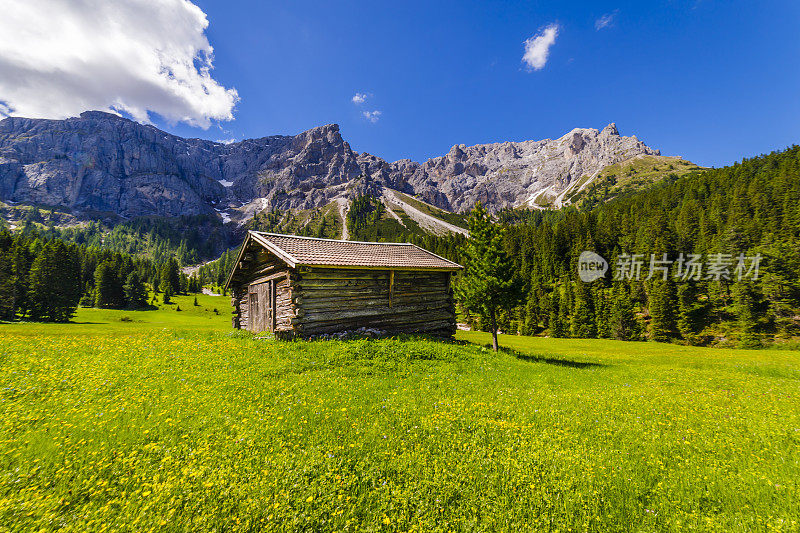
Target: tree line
(750,209)
(188,239)
(45,278)
(747,209)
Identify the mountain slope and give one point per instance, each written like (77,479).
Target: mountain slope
(519,174)
(102,164)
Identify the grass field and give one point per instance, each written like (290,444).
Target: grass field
(169,421)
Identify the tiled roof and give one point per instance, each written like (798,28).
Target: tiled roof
(309,251)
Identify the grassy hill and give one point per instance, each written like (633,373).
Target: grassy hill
(323,222)
(169,420)
(456,219)
(628,177)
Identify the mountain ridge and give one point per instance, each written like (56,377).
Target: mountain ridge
(100,163)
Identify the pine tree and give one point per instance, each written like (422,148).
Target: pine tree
(23,260)
(530,325)
(170,277)
(135,292)
(55,286)
(582,323)
(622,321)
(8,282)
(602,310)
(746,300)
(109,292)
(167,295)
(557,326)
(490,282)
(565,308)
(663,307)
(690,312)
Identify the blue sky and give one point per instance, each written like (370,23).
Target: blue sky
(711,81)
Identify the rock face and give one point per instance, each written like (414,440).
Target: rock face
(515,174)
(101,163)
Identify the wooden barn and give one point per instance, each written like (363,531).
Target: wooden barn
(302,286)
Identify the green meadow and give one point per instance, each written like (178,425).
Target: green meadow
(168,420)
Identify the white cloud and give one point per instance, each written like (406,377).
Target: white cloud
(605,21)
(226,141)
(360,98)
(61,57)
(537,48)
(372,116)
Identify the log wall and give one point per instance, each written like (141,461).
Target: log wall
(314,301)
(329,300)
(257,266)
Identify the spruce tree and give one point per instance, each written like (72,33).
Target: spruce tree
(557,325)
(55,285)
(746,300)
(602,310)
(663,309)
(565,308)
(582,323)
(690,312)
(135,293)
(622,321)
(23,260)
(490,282)
(530,324)
(167,295)
(109,292)
(170,277)
(8,282)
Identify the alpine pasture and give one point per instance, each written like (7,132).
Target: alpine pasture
(168,420)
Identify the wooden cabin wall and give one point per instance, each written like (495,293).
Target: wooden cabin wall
(284,309)
(330,300)
(260,265)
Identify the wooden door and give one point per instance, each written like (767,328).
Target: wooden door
(262,306)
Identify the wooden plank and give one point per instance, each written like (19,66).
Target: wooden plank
(311,316)
(270,277)
(432,323)
(335,296)
(384,268)
(344,275)
(267,269)
(391,286)
(361,298)
(272,302)
(340,283)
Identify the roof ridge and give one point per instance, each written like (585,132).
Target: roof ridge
(296,250)
(433,254)
(333,240)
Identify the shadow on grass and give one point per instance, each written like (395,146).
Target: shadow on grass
(553,360)
(26,320)
(406,337)
(539,358)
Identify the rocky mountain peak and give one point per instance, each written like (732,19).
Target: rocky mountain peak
(609,130)
(102,163)
(101,115)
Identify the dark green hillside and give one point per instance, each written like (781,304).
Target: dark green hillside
(45,278)
(629,177)
(188,239)
(370,219)
(749,208)
(321,222)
